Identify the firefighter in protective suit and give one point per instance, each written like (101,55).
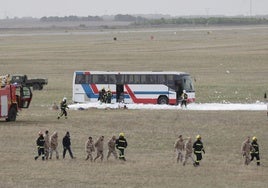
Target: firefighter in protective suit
(121,145)
(255,151)
(40,142)
(198,149)
(63,107)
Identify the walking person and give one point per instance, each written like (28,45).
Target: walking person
(89,147)
(245,149)
(40,142)
(63,107)
(66,142)
(198,149)
(255,151)
(47,145)
(189,151)
(121,145)
(179,147)
(54,145)
(111,148)
(184,98)
(99,146)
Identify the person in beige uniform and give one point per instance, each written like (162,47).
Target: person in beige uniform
(246,149)
(111,148)
(179,147)
(47,145)
(89,147)
(54,145)
(99,147)
(188,151)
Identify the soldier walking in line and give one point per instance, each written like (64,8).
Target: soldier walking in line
(40,142)
(121,145)
(179,147)
(99,146)
(111,148)
(54,145)
(66,142)
(189,151)
(198,149)
(255,151)
(245,149)
(89,147)
(47,145)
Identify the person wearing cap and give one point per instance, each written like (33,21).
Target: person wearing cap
(109,96)
(89,147)
(184,98)
(179,147)
(255,151)
(99,146)
(63,107)
(121,145)
(40,142)
(245,150)
(198,149)
(47,145)
(66,142)
(54,145)
(189,151)
(111,148)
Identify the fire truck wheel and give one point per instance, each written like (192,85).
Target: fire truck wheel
(12,114)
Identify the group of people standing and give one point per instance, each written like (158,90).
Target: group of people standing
(47,145)
(114,143)
(186,149)
(105,96)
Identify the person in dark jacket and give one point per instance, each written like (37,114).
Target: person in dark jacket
(184,98)
(40,142)
(255,151)
(198,149)
(66,142)
(63,107)
(121,145)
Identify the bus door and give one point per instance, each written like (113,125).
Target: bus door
(119,88)
(119,92)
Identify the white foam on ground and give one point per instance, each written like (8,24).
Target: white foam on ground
(258,106)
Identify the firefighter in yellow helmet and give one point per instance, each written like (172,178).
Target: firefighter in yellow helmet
(198,149)
(121,145)
(255,151)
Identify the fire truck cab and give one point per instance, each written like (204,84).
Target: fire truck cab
(13,98)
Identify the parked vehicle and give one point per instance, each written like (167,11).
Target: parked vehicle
(13,97)
(37,83)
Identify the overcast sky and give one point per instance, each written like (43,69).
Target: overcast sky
(40,8)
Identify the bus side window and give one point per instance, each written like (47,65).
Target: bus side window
(143,79)
(137,79)
(80,79)
(111,79)
(162,79)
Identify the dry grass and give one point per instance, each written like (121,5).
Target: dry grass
(150,133)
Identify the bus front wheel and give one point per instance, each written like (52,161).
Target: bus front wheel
(162,100)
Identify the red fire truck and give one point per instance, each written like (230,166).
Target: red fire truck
(13,98)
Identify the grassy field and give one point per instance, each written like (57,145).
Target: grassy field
(206,53)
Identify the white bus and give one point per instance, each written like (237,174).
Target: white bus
(133,87)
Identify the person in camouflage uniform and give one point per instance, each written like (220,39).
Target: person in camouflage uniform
(89,147)
(99,146)
(179,147)
(54,145)
(111,148)
(245,150)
